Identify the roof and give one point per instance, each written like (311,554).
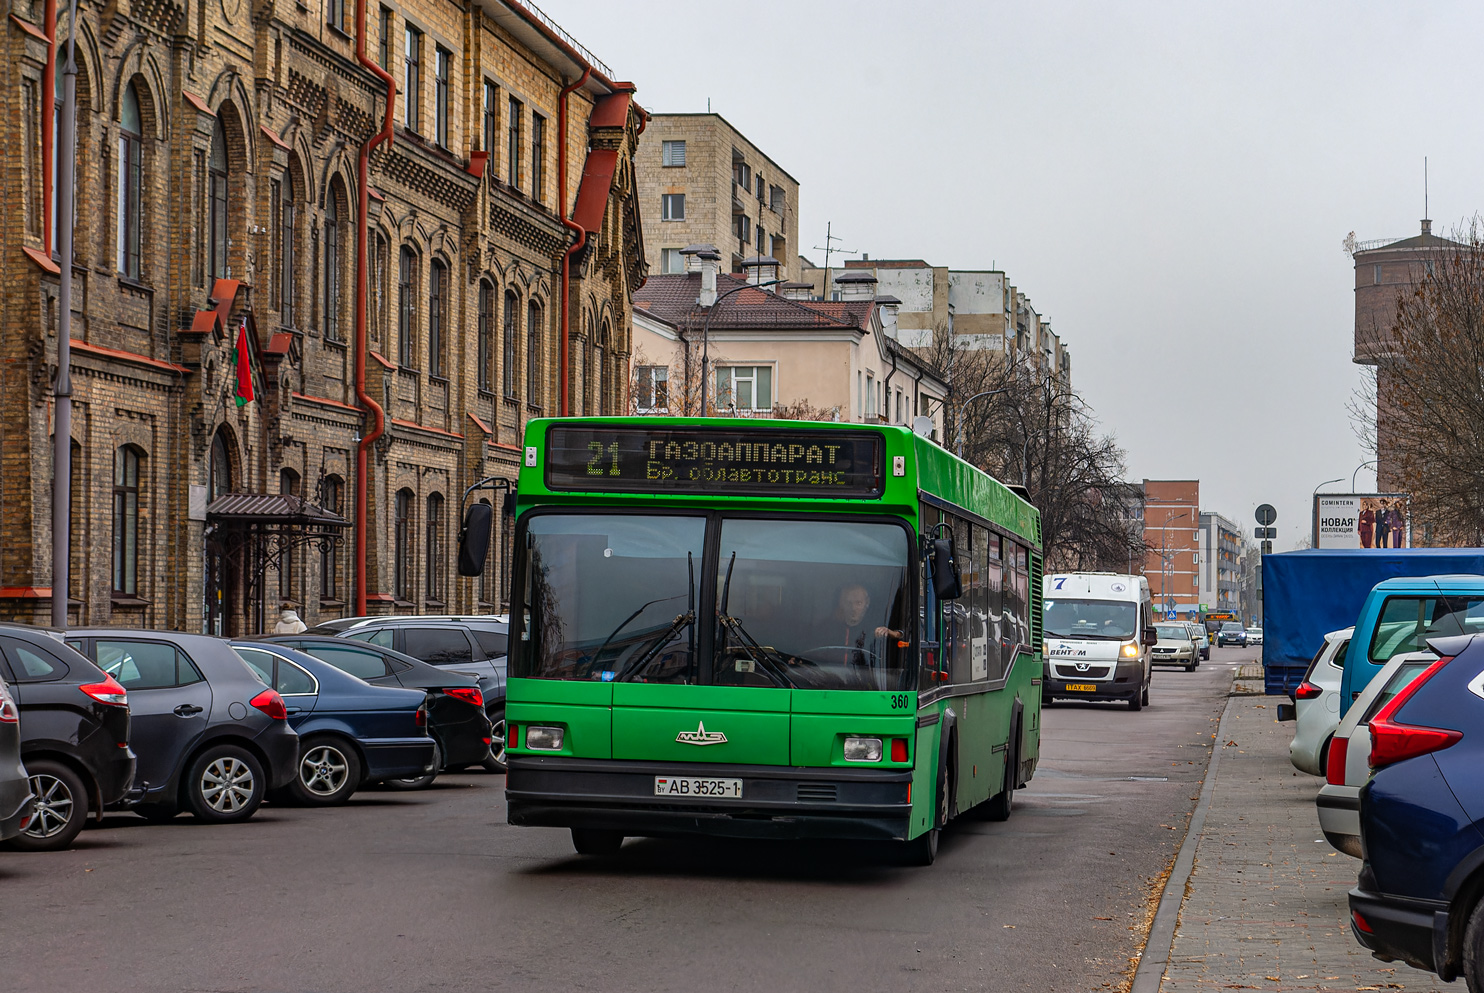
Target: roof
(271,508)
(671,297)
(1416,241)
(592,194)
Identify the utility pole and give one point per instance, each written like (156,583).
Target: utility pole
(62,389)
(828,249)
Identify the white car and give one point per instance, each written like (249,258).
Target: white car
(1317,703)
(1349,765)
(1254,636)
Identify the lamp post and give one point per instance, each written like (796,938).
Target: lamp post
(1357,471)
(963,408)
(1314,507)
(706,332)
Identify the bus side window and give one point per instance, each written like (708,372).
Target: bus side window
(994,579)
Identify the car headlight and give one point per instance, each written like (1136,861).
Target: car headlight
(545,739)
(862,749)
(1130,650)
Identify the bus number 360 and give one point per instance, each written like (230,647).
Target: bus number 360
(899,701)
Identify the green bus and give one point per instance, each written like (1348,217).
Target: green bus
(765,629)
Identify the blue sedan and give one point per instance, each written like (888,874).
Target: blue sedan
(350,732)
(1420,896)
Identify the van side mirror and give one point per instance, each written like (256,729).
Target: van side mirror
(947,585)
(474,539)
(1150,638)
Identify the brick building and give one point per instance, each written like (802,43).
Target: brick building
(229,178)
(702,183)
(1172,521)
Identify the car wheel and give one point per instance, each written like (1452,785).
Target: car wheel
(420,782)
(329,772)
(61,808)
(157,813)
(1473,950)
(590,841)
(1190,666)
(496,760)
(224,785)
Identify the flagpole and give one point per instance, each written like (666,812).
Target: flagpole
(62,427)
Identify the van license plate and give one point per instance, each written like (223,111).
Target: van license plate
(1081,688)
(730,789)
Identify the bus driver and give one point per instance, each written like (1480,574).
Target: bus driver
(848,628)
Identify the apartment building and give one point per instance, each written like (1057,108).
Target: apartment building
(1172,529)
(1220,563)
(701,182)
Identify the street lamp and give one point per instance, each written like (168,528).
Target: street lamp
(1314,508)
(1357,470)
(963,407)
(706,331)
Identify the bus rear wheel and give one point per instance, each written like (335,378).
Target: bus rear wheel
(591,841)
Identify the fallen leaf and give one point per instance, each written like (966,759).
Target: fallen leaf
(1102,918)
(1010,926)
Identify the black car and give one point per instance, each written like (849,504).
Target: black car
(468,642)
(211,738)
(456,716)
(74,721)
(16,800)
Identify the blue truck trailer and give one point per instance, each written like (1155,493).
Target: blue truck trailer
(1307,594)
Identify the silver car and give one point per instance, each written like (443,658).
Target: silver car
(1176,646)
(1317,704)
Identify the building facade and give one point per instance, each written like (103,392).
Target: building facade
(1220,563)
(404,230)
(701,182)
(1172,537)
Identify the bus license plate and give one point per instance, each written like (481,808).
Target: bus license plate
(1081,688)
(730,789)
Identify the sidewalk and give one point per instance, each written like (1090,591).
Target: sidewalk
(1264,907)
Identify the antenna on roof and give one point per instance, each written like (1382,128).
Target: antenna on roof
(828,247)
(1425,214)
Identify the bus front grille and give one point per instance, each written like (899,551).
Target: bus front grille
(817,792)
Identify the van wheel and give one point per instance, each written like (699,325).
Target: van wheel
(1136,702)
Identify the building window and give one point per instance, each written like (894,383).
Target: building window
(332,266)
(671,260)
(286,207)
(741,172)
(413,77)
(126,521)
(672,206)
(512,328)
(335,14)
(652,389)
(131,167)
(742,227)
(775,199)
(384,42)
(538,156)
(489,122)
(870,395)
(216,198)
(533,353)
(761,240)
(512,150)
(437,287)
(441,66)
(486,335)
(745,387)
(434,550)
(672,154)
(406,308)
(219,478)
(402,546)
(1376,275)
(329,579)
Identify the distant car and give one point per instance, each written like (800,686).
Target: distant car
(1201,638)
(456,719)
(1176,646)
(1254,636)
(16,799)
(211,738)
(350,732)
(1231,633)
(1348,767)
(75,726)
(1418,898)
(1317,705)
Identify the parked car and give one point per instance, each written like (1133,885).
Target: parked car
(1317,705)
(465,642)
(1254,636)
(1419,896)
(74,725)
(1201,638)
(1176,646)
(350,732)
(16,799)
(457,723)
(1231,633)
(210,737)
(1348,766)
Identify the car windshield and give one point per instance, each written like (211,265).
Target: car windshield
(1172,632)
(1097,619)
(1407,622)
(1231,626)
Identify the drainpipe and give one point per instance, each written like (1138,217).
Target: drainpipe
(886,386)
(576,246)
(368,405)
(48,153)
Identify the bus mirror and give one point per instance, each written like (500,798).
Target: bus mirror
(1151,637)
(474,539)
(947,584)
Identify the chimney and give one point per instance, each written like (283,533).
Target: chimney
(858,285)
(760,269)
(889,306)
(796,291)
(1426,225)
(710,262)
(692,254)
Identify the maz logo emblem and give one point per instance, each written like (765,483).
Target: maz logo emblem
(700,736)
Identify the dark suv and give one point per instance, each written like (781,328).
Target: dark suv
(74,734)
(1231,633)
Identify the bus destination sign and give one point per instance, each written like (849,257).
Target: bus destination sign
(765,462)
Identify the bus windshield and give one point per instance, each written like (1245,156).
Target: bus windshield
(1115,620)
(806,604)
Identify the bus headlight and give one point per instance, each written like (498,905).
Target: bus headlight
(1130,650)
(862,749)
(545,739)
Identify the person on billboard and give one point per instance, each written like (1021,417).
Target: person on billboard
(1398,526)
(1367,525)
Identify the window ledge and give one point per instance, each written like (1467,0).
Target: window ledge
(512,401)
(403,603)
(437,378)
(329,601)
(128,600)
(135,285)
(344,35)
(337,342)
(440,604)
(532,408)
(485,393)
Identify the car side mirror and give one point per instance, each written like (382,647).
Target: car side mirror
(474,539)
(1287,712)
(1150,638)
(947,584)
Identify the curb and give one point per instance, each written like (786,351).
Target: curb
(1161,940)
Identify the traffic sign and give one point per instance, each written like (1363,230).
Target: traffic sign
(1170,616)
(1266,514)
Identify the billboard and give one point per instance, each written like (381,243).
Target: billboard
(1360,520)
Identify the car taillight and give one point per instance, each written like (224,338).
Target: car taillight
(1334,766)
(468,694)
(422,717)
(8,712)
(109,691)
(1306,691)
(1392,741)
(270,703)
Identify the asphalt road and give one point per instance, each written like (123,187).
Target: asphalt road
(433,891)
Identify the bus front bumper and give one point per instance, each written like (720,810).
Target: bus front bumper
(781,802)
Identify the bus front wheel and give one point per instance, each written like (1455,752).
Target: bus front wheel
(590,841)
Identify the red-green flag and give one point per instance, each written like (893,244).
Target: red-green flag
(242,359)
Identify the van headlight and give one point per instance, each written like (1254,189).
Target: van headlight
(545,739)
(1130,650)
(862,749)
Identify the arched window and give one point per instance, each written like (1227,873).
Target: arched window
(126,521)
(533,353)
(434,548)
(219,470)
(406,308)
(332,264)
(512,328)
(402,546)
(288,485)
(286,219)
(329,568)
(486,335)
(216,200)
(437,289)
(130,176)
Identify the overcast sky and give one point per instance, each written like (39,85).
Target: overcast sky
(1170,183)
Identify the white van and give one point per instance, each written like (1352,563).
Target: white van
(1098,628)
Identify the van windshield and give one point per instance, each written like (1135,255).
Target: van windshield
(1115,620)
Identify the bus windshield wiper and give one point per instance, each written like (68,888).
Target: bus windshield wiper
(660,640)
(774,664)
(626,621)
